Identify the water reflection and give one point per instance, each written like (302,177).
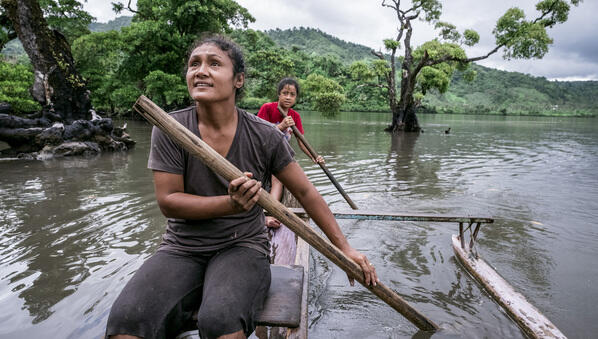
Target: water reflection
(73,231)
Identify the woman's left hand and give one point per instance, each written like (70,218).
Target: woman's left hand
(369,271)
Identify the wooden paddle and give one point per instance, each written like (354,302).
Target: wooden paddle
(198,148)
(315,155)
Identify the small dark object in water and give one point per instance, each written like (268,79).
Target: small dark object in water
(447,131)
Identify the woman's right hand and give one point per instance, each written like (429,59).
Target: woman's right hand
(244,192)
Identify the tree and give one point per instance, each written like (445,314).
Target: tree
(99,57)
(7,32)
(431,65)
(149,55)
(58,87)
(66,16)
(325,94)
(15,81)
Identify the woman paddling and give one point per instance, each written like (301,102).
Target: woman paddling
(213,256)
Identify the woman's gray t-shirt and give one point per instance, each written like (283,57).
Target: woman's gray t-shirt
(258,147)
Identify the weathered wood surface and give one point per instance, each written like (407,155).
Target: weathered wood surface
(198,148)
(289,248)
(315,155)
(283,246)
(529,318)
(390,216)
(283,303)
(302,259)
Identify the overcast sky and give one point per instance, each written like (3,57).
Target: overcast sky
(573,55)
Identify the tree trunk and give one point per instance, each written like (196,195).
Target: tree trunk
(403,114)
(57,85)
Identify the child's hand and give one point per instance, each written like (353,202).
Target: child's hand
(287,122)
(272,222)
(319,160)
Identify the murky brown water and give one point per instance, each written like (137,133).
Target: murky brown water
(73,231)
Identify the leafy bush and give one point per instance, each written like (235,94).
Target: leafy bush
(15,81)
(252,103)
(325,95)
(166,90)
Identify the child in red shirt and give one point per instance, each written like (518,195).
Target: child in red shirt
(288,91)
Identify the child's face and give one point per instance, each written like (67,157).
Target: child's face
(210,75)
(287,96)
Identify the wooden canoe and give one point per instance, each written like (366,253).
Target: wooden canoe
(287,249)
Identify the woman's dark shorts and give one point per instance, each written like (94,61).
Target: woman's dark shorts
(228,287)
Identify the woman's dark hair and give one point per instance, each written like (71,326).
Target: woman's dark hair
(229,47)
(288,81)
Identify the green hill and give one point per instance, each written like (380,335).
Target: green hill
(116,24)
(314,41)
(492,92)
(14,49)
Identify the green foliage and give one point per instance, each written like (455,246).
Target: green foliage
(391,44)
(148,56)
(124,97)
(521,39)
(252,103)
(66,16)
(98,57)
(112,25)
(558,11)
(438,76)
(4,39)
(469,75)
(326,94)
(511,93)
(448,31)
(432,9)
(268,66)
(15,81)
(360,70)
(470,37)
(166,90)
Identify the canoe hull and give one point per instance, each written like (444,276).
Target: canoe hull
(528,317)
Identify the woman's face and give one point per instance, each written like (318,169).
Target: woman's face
(287,96)
(210,75)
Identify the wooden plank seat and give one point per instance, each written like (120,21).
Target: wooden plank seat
(283,304)
(282,307)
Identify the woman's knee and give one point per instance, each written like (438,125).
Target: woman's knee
(216,323)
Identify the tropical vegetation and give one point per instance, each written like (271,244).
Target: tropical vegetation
(145,54)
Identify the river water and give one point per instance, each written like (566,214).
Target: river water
(73,231)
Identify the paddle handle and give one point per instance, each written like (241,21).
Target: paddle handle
(197,147)
(315,155)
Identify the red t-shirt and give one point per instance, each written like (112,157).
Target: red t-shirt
(270,112)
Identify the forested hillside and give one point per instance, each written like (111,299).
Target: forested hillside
(116,24)
(14,50)
(323,63)
(491,92)
(312,40)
